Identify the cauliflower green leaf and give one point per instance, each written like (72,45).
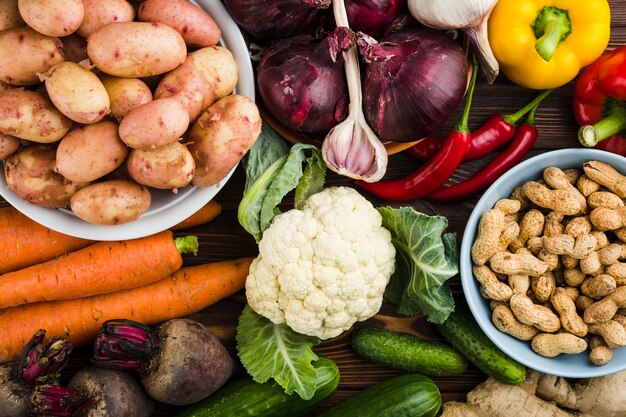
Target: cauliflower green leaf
(289,177)
(268,148)
(272,171)
(425,259)
(269,350)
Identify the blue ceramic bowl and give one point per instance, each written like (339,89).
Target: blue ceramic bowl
(571,366)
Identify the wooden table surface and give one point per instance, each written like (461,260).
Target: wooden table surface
(224,238)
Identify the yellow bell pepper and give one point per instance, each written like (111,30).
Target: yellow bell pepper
(543,44)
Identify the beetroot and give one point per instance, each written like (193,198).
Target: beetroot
(179,362)
(38,362)
(94,392)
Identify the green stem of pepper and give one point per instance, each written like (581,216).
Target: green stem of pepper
(551,27)
(615,122)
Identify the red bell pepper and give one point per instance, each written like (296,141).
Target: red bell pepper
(600,103)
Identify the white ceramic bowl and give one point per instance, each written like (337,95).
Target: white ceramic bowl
(571,366)
(167,208)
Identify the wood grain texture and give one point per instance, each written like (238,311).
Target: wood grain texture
(225,239)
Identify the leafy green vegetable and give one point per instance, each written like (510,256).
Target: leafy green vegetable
(249,212)
(268,148)
(312,180)
(289,177)
(272,171)
(425,259)
(269,350)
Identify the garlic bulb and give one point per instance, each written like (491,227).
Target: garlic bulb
(470,16)
(352,148)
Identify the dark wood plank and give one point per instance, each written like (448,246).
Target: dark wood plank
(224,238)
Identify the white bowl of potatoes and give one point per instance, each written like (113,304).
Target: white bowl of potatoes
(104,164)
(542,263)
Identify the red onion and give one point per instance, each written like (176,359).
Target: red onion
(373,16)
(413,82)
(274,18)
(301,81)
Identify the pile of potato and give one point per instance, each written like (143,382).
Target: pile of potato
(101,99)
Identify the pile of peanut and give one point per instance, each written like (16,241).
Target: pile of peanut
(549,257)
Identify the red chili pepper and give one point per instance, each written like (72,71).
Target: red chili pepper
(600,103)
(495,132)
(436,171)
(425,148)
(525,137)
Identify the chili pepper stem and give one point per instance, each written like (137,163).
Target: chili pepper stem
(551,27)
(463,125)
(615,122)
(513,118)
(530,118)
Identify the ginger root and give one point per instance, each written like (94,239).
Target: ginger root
(544,396)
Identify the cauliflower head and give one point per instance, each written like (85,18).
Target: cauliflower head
(323,268)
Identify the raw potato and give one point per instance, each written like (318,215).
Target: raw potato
(77,92)
(90,152)
(99,13)
(52,17)
(194,24)
(125,94)
(111,202)
(30,174)
(207,75)
(167,167)
(136,49)
(8,145)
(75,48)
(31,116)
(118,394)
(154,124)
(37,53)
(10,15)
(221,137)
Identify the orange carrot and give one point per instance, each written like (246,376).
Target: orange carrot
(187,291)
(24,242)
(207,213)
(97,269)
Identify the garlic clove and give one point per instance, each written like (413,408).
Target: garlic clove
(479,37)
(353,150)
(470,16)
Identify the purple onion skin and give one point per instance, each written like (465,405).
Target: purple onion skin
(373,16)
(414,81)
(268,19)
(301,82)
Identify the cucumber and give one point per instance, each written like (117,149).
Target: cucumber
(409,395)
(462,331)
(409,353)
(244,397)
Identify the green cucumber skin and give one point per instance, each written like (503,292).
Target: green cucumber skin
(408,353)
(409,395)
(246,398)
(462,331)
